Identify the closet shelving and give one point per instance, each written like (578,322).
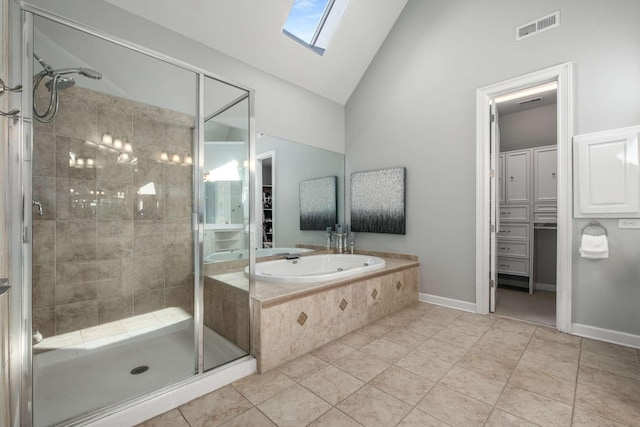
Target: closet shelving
(267,216)
(527,185)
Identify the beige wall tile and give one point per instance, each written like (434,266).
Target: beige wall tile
(72,317)
(44,160)
(44,280)
(145,302)
(44,242)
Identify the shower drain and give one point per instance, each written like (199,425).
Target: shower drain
(139,370)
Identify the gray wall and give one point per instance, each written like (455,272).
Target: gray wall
(281,108)
(415,107)
(530,128)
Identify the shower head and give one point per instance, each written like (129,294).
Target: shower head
(88,72)
(61,82)
(58,81)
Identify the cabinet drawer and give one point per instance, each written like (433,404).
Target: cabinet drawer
(545,213)
(516,249)
(514,231)
(514,213)
(515,266)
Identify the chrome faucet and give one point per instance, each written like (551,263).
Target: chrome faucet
(340,242)
(39,205)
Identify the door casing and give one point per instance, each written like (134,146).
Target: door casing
(563,74)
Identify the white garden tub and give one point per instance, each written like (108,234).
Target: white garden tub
(316,268)
(244,254)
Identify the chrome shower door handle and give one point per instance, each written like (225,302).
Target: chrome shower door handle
(39,205)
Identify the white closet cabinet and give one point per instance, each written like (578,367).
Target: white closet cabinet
(527,195)
(517,176)
(545,167)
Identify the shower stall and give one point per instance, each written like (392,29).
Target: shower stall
(109,304)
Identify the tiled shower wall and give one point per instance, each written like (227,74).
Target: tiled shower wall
(102,251)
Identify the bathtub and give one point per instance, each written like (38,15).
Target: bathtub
(244,254)
(316,268)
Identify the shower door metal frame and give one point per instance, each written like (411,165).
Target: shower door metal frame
(20,216)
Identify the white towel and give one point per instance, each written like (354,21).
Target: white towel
(594,247)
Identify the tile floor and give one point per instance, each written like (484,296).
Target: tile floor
(433,366)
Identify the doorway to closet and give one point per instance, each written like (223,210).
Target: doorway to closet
(486,185)
(525,133)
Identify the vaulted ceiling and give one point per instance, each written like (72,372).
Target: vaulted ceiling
(251,31)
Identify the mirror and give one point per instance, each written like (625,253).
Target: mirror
(281,166)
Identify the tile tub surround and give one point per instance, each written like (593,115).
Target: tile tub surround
(98,258)
(292,319)
(446,368)
(226,311)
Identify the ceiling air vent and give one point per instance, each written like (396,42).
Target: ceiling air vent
(539,25)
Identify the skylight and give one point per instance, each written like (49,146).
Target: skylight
(313,22)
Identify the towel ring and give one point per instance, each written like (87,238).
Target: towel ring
(594,224)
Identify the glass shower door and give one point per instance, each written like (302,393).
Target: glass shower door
(226,313)
(113,242)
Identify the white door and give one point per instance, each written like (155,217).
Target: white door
(494,195)
(545,166)
(500,172)
(517,177)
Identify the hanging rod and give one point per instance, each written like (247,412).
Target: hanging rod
(595,224)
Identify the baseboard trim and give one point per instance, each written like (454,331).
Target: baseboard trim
(544,287)
(448,302)
(607,335)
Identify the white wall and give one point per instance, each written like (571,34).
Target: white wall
(415,107)
(281,108)
(530,128)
